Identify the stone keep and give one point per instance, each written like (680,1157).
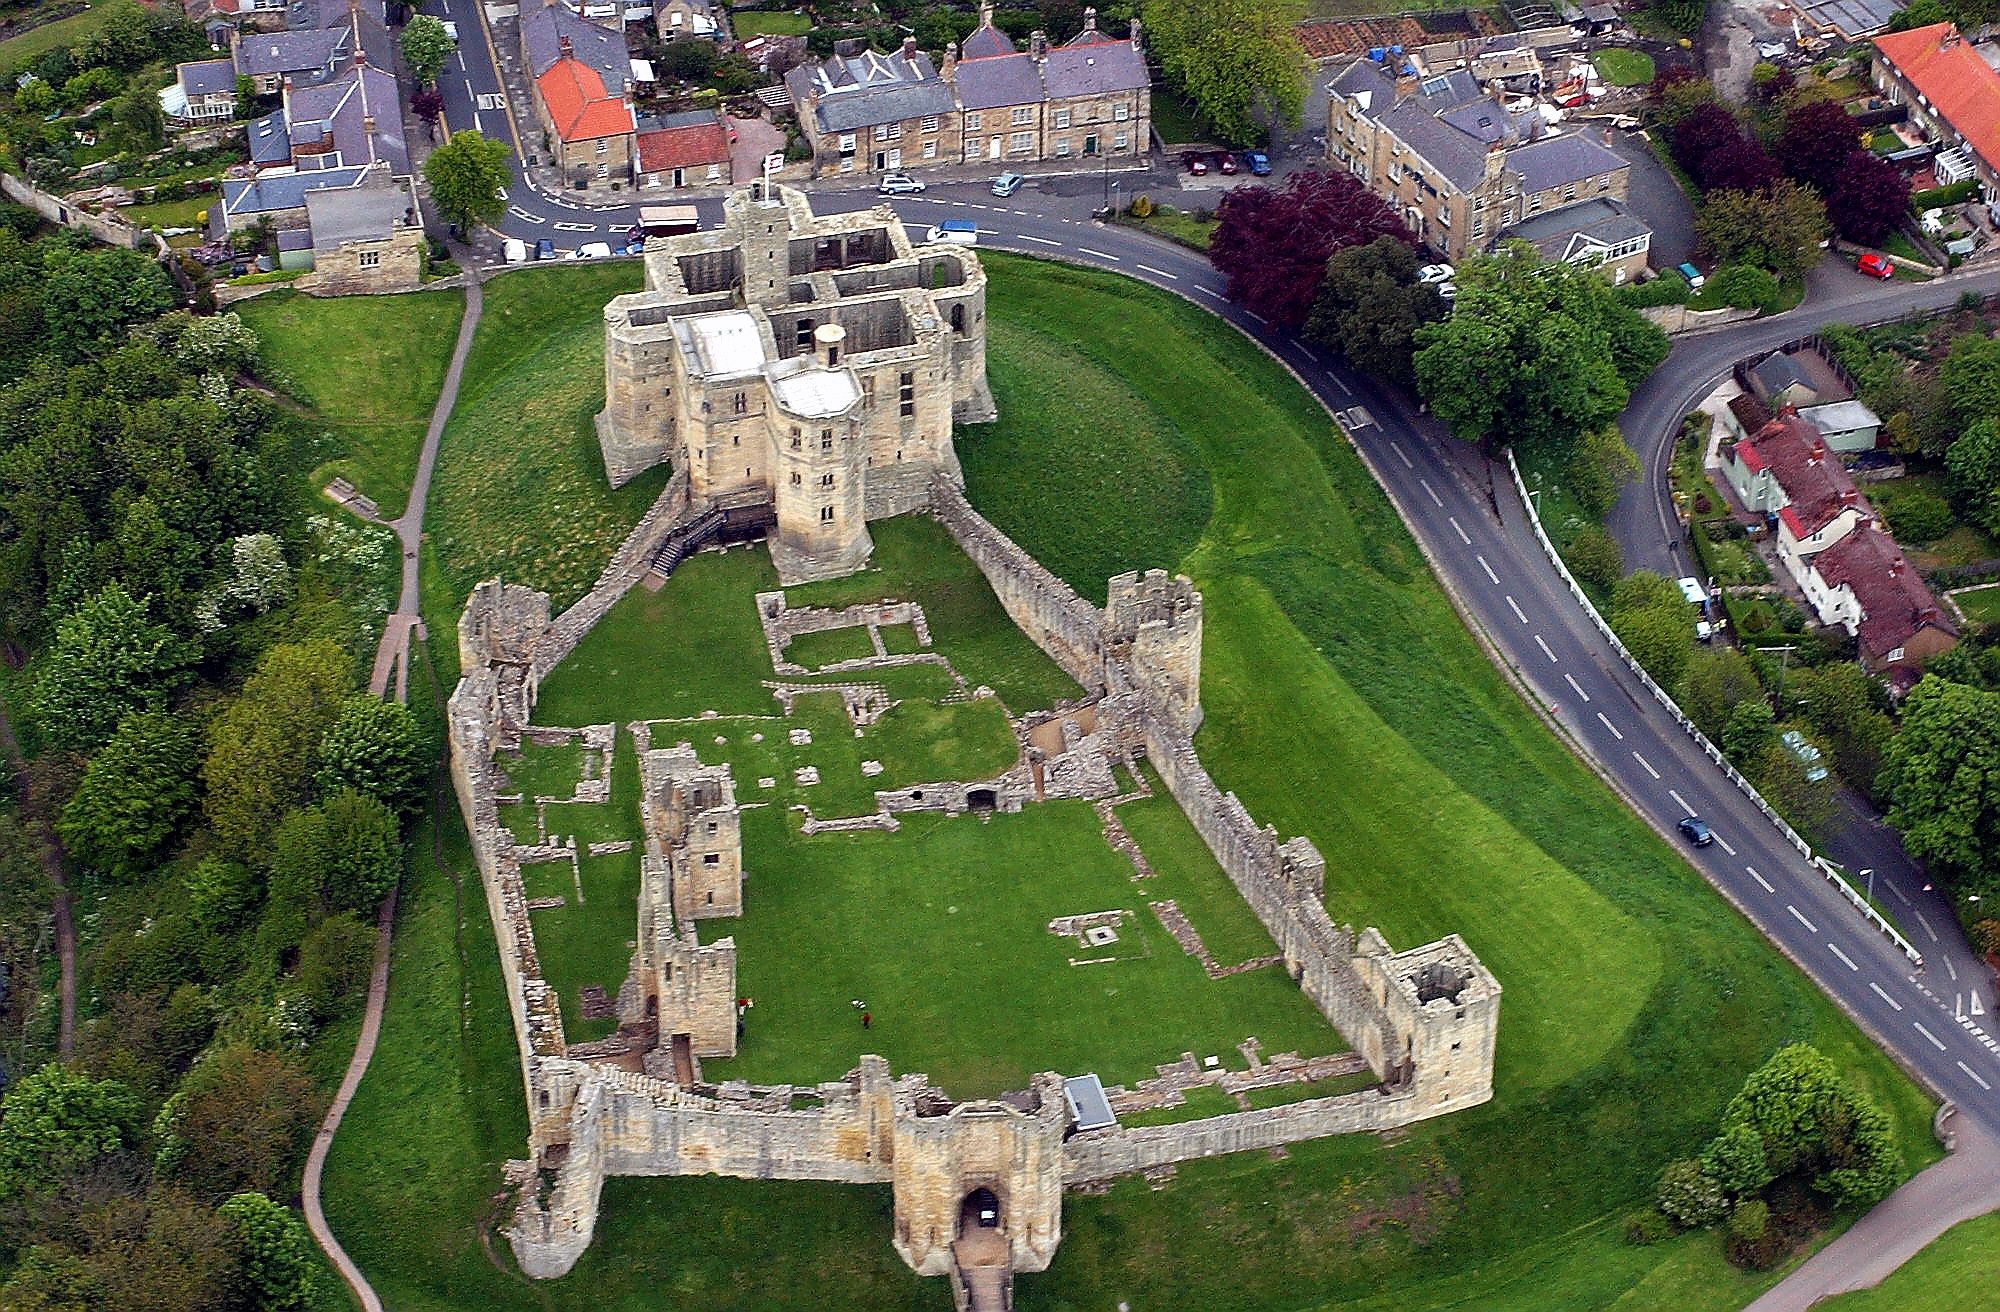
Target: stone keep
(811,364)
(690,809)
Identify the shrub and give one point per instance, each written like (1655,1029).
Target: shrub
(1688,1197)
(1646,1228)
(1660,291)
(1750,1242)
(1745,288)
(1938,197)
(1142,206)
(1596,559)
(1985,937)
(1917,518)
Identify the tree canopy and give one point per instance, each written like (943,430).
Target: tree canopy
(1239,61)
(426,45)
(108,660)
(374,748)
(1777,227)
(466,176)
(1943,783)
(57,1121)
(1273,244)
(1370,306)
(264,746)
(136,794)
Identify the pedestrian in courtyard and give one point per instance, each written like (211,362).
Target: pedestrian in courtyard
(867,1019)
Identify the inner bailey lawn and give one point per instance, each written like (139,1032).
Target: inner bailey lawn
(1345,702)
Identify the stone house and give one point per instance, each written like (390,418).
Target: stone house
(368,238)
(1457,165)
(308,56)
(547,26)
(203,91)
(866,112)
(678,18)
(1951,93)
(589,128)
(1864,584)
(683,150)
(1598,231)
(1087,98)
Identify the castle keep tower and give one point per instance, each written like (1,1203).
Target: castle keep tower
(813,364)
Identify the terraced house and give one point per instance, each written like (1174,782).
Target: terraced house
(1462,170)
(866,112)
(1087,98)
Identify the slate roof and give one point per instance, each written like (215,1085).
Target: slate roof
(270,140)
(356,213)
(679,141)
(1601,219)
(1459,157)
(580,108)
(862,90)
(344,104)
(1962,89)
(999,80)
(542,30)
(1895,604)
(313,51)
(986,41)
(272,193)
(1778,371)
(1558,161)
(207,77)
(1093,67)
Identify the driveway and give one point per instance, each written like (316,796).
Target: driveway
(1655,197)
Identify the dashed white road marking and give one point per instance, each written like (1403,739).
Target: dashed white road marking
(1800,916)
(1258,317)
(1977,1010)
(1085,250)
(1516,607)
(1648,764)
(1335,380)
(1901,896)
(1936,1042)
(1765,883)
(1885,997)
(1723,843)
(1680,801)
(1212,294)
(1844,958)
(1453,521)
(1576,687)
(575,227)
(1489,569)
(1170,277)
(1607,724)
(520,213)
(1975,1078)
(1302,350)
(1401,455)
(1544,646)
(1927,926)
(1431,492)
(1953,969)
(1039,241)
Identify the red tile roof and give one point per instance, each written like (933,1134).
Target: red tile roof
(683,147)
(1895,604)
(1813,481)
(579,106)
(1961,88)
(1750,412)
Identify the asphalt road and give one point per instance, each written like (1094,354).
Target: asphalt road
(1475,531)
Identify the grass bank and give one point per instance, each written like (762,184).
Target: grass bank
(1954,1271)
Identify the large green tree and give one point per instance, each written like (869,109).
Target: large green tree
(242,1119)
(466,176)
(343,854)
(1370,307)
(374,748)
(57,1121)
(135,795)
(1943,783)
(1239,61)
(101,293)
(1778,227)
(273,1250)
(108,660)
(1806,1120)
(1533,352)
(426,45)
(264,746)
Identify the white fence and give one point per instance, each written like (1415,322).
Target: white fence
(1714,754)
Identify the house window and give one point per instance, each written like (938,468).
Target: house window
(715,173)
(972,122)
(1021,141)
(826,514)
(847,143)
(370,259)
(906,393)
(1444,217)
(1569,193)
(1062,118)
(1535,202)
(932,124)
(1062,150)
(1604,183)
(826,439)
(711,859)
(868,392)
(603,170)
(1119,113)
(603,146)
(894,159)
(889,132)
(1118,140)
(797,479)
(930,150)
(1024,115)
(826,480)
(1478,226)
(740,402)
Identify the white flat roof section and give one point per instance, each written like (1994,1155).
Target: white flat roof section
(726,344)
(1087,1103)
(805,389)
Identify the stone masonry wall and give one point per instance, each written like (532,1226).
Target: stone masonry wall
(1097,1155)
(1041,605)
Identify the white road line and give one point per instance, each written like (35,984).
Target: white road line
(1975,1079)
(1453,520)
(1211,294)
(1648,764)
(1431,492)
(1571,678)
(1953,969)
(1039,241)
(1723,843)
(1489,569)
(1401,455)
(1258,317)
(477,125)
(1516,607)
(1763,881)
(1607,724)
(1958,1008)
(576,227)
(1901,896)
(1680,801)
(520,213)
(1801,918)
(1544,646)
(1927,927)
(1085,250)
(1845,959)
(1170,277)
(460,56)
(1302,350)
(1335,380)
(1936,1042)
(1885,997)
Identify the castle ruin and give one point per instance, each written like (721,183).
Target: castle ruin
(977,1185)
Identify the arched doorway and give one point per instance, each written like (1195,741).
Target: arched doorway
(981,799)
(979,1211)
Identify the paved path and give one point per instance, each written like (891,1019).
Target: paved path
(392,655)
(1962,1186)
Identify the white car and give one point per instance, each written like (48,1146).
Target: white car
(956,232)
(592,250)
(1448,291)
(1435,273)
(898,184)
(451,30)
(1692,590)
(515,250)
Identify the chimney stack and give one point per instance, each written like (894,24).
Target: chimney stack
(910,49)
(1038,45)
(828,337)
(564,48)
(986,13)
(1090,18)
(949,70)
(1138,43)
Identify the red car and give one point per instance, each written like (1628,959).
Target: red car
(1226,162)
(1196,165)
(1875,266)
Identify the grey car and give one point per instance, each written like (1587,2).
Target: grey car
(1007,184)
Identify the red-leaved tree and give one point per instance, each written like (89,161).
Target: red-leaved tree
(1706,129)
(1273,243)
(1819,142)
(1870,199)
(1739,165)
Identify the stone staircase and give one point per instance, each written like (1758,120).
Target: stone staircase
(684,542)
(982,1278)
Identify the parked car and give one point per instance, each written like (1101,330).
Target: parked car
(1007,184)
(1692,274)
(898,184)
(1875,266)
(1795,743)
(1436,273)
(1259,162)
(545,249)
(1696,830)
(1447,290)
(451,30)
(635,248)
(1692,591)
(1225,162)
(1195,163)
(514,250)
(956,232)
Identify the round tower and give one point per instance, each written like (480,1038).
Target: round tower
(821,469)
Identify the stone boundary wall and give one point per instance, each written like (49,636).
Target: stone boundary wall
(1041,605)
(110,230)
(1097,1155)
(627,566)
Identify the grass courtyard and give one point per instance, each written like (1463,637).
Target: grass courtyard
(1344,700)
